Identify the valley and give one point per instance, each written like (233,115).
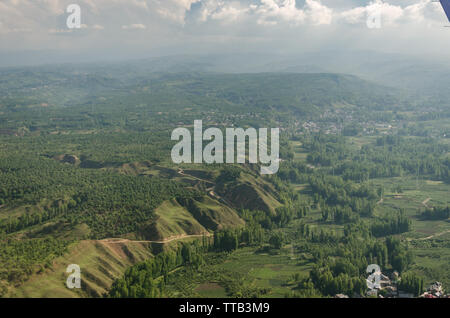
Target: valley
(87,179)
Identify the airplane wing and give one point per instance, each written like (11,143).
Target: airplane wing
(446,5)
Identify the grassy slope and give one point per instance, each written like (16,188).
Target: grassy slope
(100,264)
(173,220)
(220,214)
(251,193)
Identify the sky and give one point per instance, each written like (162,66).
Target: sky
(143,28)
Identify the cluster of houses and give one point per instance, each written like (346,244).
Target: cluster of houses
(388,288)
(435,291)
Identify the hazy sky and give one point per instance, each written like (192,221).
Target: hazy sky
(139,28)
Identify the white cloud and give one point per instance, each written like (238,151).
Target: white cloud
(53,6)
(318,13)
(392,14)
(60,31)
(229,13)
(268,12)
(173,10)
(271,12)
(98,5)
(389,13)
(314,12)
(416,12)
(41,14)
(136,26)
(177,22)
(98,27)
(222,11)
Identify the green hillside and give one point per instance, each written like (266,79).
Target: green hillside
(100,262)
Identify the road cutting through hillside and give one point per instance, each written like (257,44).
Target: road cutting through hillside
(181,172)
(209,191)
(171,239)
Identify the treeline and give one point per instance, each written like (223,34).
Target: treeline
(148,279)
(21,258)
(341,263)
(339,215)
(411,283)
(390,252)
(336,191)
(260,227)
(388,156)
(435,213)
(342,201)
(325,150)
(392,224)
(333,279)
(295,172)
(230,239)
(58,208)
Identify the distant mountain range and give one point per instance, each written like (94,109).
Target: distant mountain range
(420,74)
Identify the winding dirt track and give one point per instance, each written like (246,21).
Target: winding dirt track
(429,237)
(209,191)
(433,236)
(168,240)
(181,172)
(174,238)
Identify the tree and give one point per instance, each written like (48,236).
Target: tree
(276,240)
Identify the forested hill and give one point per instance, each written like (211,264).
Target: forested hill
(300,92)
(25,88)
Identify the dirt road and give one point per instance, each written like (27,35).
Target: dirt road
(430,237)
(168,240)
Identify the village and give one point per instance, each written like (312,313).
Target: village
(388,287)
